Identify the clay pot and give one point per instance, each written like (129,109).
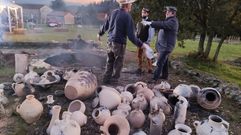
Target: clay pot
(21,63)
(139,133)
(109,97)
(66,126)
(181,129)
(30,110)
(18,78)
(160,102)
(195,90)
(136,118)
(131,88)
(79,117)
(142,88)
(164,85)
(126,96)
(180,110)
(81,85)
(18,89)
(121,113)
(100,115)
(76,105)
(32,76)
(139,102)
(209,98)
(115,125)
(68,74)
(183,90)
(50,99)
(3,98)
(156,122)
(55,116)
(124,106)
(215,125)
(50,76)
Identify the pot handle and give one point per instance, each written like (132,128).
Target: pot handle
(226,124)
(18,109)
(196,123)
(13,86)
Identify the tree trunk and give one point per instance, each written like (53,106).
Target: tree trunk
(215,57)
(201,43)
(209,45)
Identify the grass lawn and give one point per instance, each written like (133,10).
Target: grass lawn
(224,71)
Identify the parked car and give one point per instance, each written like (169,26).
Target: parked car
(54,24)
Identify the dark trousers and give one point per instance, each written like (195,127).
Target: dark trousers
(115,59)
(162,66)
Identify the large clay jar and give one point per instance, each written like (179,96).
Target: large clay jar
(163,86)
(66,126)
(180,110)
(183,90)
(181,129)
(136,118)
(30,110)
(18,89)
(76,105)
(160,102)
(100,115)
(195,90)
(81,85)
(109,97)
(115,125)
(126,96)
(55,116)
(209,98)
(156,122)
(215,125)
(131,88)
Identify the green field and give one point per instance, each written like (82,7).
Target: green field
(229,52)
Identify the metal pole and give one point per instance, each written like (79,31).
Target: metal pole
(9,20)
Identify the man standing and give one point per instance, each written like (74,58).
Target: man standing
(145,34)
(166,41)
(119,25)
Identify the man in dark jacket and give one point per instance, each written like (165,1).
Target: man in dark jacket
(119,25)
(145,34)
(166,41)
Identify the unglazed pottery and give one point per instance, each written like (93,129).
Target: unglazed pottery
(180,110)
(139,102)
(81,85)
(30,110)
(160,102)
(209,98)
(76,105)
(181,129)
(18,89)
(55,116)
(115,125)
(157,119)
(183,90)
(136,118)
(215,125)
(18,78)
(79,117)
(100,115)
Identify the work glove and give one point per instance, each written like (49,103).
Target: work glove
(146,23)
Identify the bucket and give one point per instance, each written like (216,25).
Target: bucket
(21,63)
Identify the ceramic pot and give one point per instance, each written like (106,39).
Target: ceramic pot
(109,97)
(139,102)
(32,76)
(68,74)
(131,88)
(124,107)
(183,90)
(126,96)
(160,102)
(142,88)
(81,85)
(18,78)
(18,89)
(180,110)
(181,129)
(100,115)
(66,126)
(55,116)
(76,105)
(21,63)
(50,99)
(139,133)
(122,113)
(209,98)
(3,98)
(215,125)
(164,85)
(79,117)
(156,122)
(50,76)
(195,90)
(115,125)
(136,118)
(30,110)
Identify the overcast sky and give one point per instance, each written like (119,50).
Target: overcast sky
(82,1)
(49,1)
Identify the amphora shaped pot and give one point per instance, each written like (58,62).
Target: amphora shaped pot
(18,89)
(30,110)
(215,125)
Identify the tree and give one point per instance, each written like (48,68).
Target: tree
(58,5)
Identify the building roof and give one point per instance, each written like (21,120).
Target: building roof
(58,13)
(31,6)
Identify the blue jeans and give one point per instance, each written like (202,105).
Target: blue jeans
(162,66)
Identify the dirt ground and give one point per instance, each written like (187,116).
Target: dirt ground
(14,125)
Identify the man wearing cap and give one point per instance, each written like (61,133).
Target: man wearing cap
(145,34)
(119,25)
(166,41)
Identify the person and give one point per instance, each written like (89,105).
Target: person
(145,34)
(119,25)
(166,41)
